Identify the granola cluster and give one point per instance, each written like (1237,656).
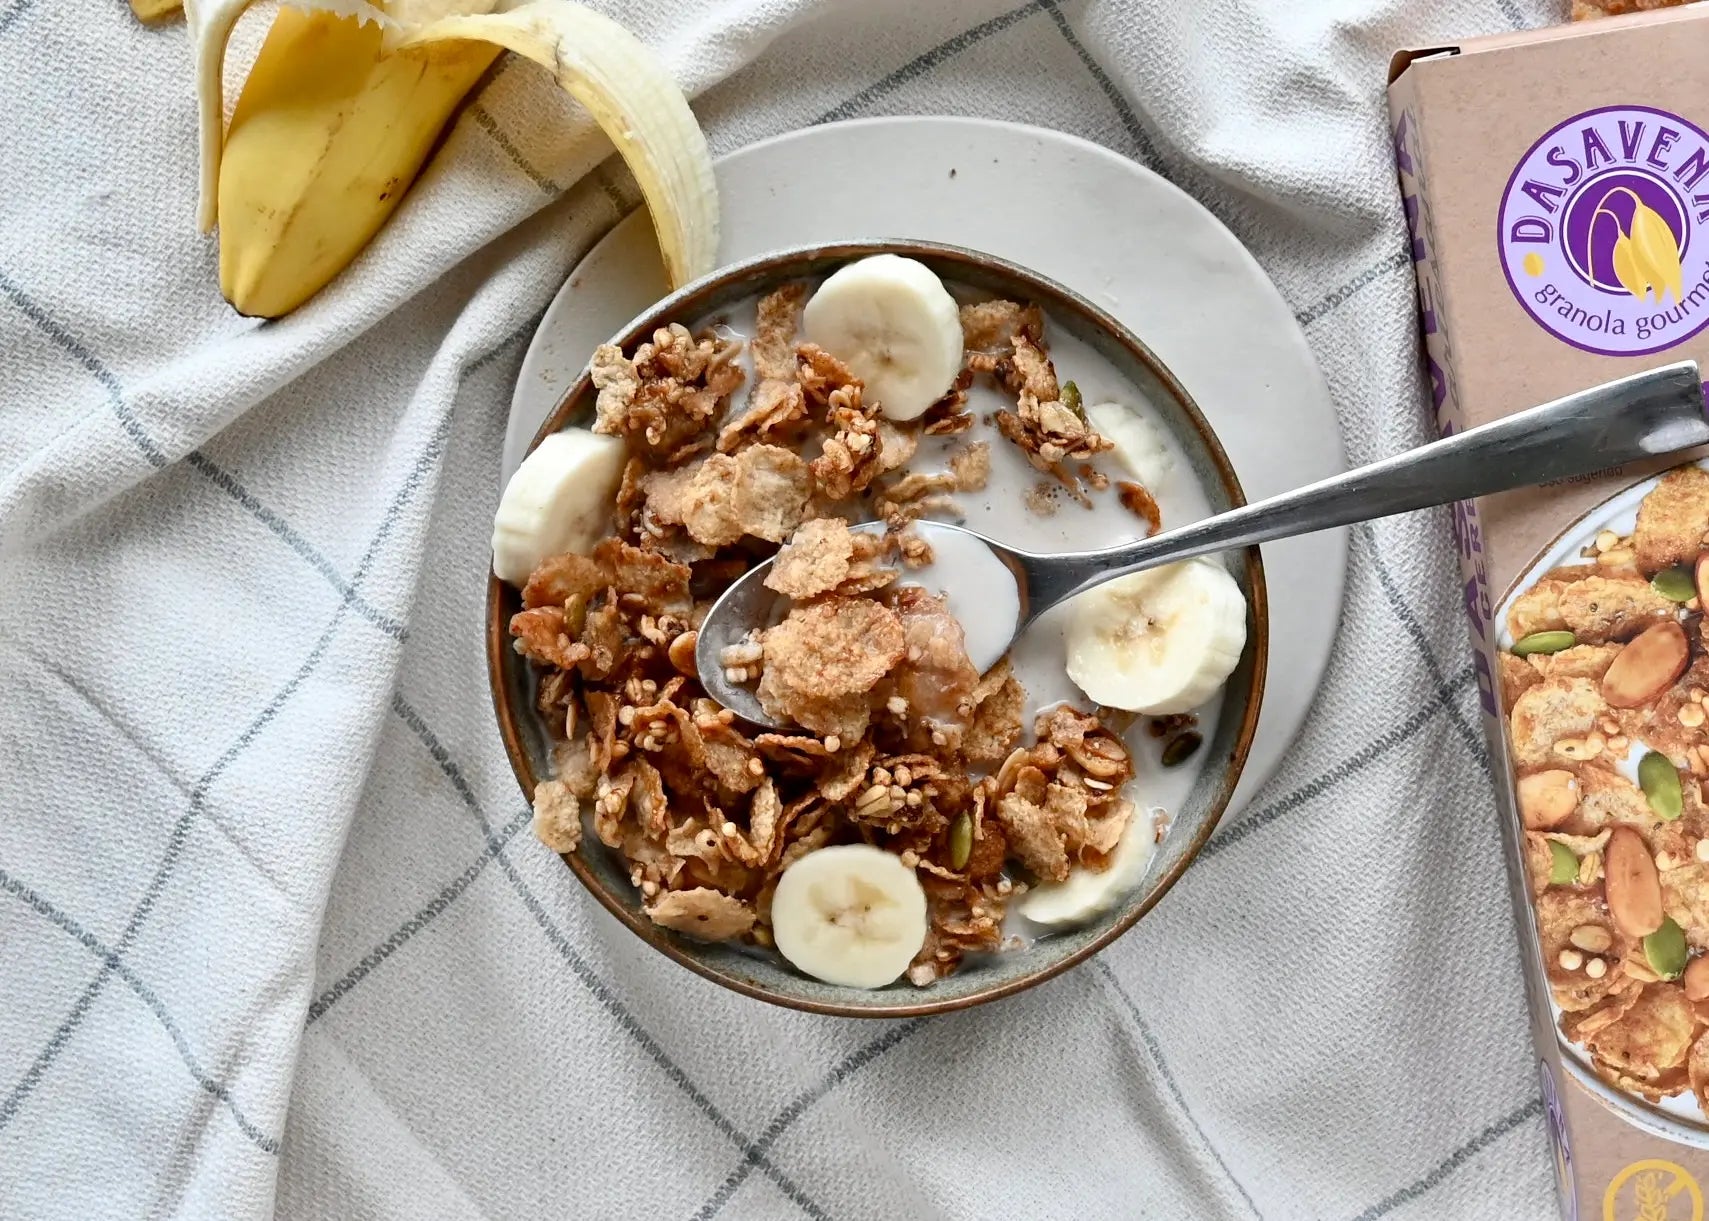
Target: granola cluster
(1048,422)
(1606,692)
(900,742)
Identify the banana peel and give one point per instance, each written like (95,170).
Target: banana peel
(347,101)
(156,12)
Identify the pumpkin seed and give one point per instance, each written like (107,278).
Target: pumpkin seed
(1181,749)
(1071,400)
(1563,865)
(1543,642)
(1674,584)
(1659,779)
(1665,948)
(575,614)
(961,841)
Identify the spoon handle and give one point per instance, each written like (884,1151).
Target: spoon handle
(1645,415)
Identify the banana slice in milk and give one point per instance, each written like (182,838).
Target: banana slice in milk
(1140,445)
(1084,894)
(1158,642)
(894,324)
(852,915)
(558,500)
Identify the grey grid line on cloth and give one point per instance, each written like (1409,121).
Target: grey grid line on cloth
(112,959)
(745,65)
(198,791)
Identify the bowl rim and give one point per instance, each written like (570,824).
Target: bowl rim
(1056,299)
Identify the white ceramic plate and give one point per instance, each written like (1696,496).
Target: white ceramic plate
(1071,210)
(1677,1118)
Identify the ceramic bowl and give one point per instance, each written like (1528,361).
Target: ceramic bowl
(764,974)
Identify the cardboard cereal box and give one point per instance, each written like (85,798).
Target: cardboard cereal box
(1556,188)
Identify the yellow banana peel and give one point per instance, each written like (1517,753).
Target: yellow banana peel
(155,12)
(347,101)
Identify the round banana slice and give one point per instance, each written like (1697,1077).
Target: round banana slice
(853,915)
(894,324)
(558,500)
(1158,642)
(1084,894)
(1140,445)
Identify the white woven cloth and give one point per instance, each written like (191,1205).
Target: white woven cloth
(274,938)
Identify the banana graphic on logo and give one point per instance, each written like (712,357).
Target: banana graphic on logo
(1646,257)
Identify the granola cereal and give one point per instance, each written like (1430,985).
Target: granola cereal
(899,742)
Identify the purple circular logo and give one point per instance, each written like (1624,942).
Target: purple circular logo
(1596,231)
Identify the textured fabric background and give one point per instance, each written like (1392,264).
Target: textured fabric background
(273,935)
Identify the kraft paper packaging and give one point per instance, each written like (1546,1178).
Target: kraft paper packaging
(1556,190)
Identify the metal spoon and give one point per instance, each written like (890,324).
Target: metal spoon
(1646,415)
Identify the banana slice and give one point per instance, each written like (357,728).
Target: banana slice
(1084,894)
(894,324)
(558,500)
(1160,641)
(853,915)
(1140,445)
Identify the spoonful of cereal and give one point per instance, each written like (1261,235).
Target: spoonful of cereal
(806,638)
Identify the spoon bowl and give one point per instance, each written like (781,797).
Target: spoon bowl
(982,581)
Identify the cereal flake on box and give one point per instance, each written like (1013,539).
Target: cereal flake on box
(1673,519)
(1650,1038)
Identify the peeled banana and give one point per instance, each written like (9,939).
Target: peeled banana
(347,101)
(316,161)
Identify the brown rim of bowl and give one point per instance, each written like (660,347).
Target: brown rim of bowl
(1055,298)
